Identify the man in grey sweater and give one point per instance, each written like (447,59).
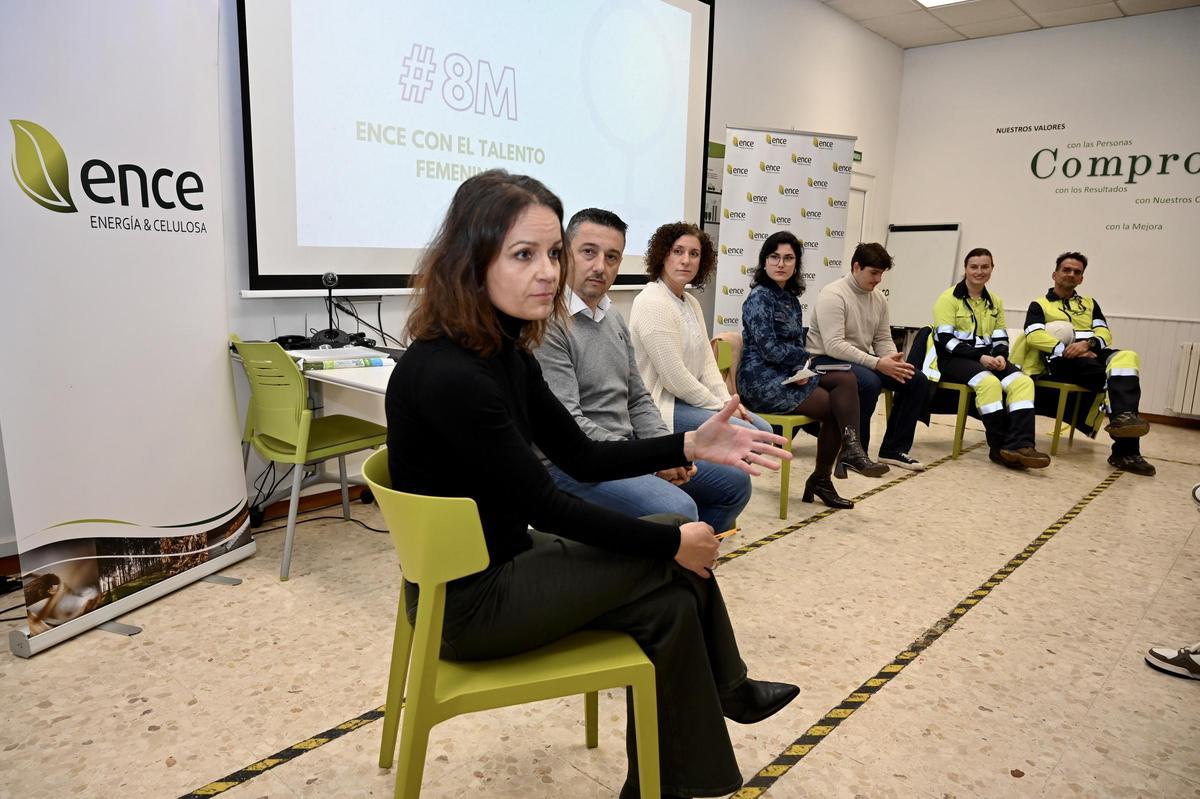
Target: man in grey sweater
(589,365)
(851,327)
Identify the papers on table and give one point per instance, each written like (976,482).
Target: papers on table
(339,358)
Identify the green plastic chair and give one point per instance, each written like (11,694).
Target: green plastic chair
(281,427)
(439,539)
(960,419)
(1066,390)
(788,424)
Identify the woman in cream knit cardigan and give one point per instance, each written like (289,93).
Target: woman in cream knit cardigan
(670,341)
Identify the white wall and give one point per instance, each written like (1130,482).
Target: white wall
(1126,80)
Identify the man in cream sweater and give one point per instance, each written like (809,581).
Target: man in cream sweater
(851,326)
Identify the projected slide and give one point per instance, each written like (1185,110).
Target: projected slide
(396,103)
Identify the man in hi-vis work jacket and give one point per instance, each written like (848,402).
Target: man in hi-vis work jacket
(1084,355)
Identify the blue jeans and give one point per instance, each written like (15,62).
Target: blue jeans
(908,399)
(689,417)
(716,494)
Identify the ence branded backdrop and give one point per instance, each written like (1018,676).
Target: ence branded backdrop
(120,435)
(780,180)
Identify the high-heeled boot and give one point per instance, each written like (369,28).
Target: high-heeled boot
(853,456)
(819,484)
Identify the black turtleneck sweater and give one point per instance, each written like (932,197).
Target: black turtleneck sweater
(460,424)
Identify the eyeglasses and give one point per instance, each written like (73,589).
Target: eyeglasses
(775,258)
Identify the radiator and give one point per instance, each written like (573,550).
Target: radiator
(1187,381)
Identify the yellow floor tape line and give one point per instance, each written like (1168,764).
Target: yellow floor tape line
(795,752)
(279,758)
(295,750)
(825,514)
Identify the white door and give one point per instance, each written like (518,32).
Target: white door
(856,221)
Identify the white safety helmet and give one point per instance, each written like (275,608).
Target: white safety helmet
(1063,331)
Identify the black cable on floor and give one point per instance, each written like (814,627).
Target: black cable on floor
(318,518)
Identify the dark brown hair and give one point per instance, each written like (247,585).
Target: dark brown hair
(978,251)
(665,237)
(1073,256)
(451,292)
(872,255)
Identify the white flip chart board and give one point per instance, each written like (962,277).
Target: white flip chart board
(926,263)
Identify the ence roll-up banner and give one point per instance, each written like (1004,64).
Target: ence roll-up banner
(781,180)
(120,433)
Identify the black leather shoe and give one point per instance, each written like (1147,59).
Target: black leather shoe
(1135,464)
(1127,424)
(756,700)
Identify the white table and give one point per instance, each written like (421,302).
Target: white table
(368,383)
(361,394)
(371,379)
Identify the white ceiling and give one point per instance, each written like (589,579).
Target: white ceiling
(907,24)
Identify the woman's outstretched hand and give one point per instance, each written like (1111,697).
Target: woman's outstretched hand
(718,441)
(697,548)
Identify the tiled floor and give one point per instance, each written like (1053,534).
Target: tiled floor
(1039,690)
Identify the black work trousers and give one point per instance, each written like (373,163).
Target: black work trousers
(680,621)
(1124,391)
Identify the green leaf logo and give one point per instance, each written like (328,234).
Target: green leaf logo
(40,166)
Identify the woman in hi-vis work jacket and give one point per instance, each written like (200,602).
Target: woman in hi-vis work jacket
(972,348)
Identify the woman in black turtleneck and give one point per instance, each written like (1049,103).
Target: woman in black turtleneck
(464,406)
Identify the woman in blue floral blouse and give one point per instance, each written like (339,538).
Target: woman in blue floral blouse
(773,350)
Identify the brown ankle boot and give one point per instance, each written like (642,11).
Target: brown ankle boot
(853,456)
